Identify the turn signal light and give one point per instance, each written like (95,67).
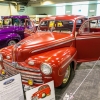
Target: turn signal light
(30,82)
(3,72)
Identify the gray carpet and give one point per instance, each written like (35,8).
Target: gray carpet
(89,89)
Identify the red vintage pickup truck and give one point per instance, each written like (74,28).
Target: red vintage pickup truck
(54,50)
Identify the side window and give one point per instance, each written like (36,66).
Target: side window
(85,27)
(43,26)
(78,24)
(22,22)
(28,24)
(40,88)
(93,24)
(99,23)
(16,22)
(44,23)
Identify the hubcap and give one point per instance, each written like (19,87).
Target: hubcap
(43,95)
(67,74)
(12,42)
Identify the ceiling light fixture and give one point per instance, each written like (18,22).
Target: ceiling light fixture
(47,3)
(33,0)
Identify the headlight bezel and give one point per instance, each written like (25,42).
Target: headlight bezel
(43,66)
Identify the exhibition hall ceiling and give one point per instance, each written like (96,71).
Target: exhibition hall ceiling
(45,2)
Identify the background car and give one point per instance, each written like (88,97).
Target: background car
(12,29)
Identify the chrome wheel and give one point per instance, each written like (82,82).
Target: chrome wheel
(67,75)
(11,42)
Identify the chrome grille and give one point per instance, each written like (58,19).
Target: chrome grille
(22,68)
(26,75)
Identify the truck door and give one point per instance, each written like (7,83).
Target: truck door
(18,27)
(88,40)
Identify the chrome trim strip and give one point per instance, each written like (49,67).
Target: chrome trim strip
(81,38)
(24,81)
(51,46)
(36,80)
(21,67)
(28,76)
(69,60)
(66,63)
(48,77)
(30,73)
(12,71)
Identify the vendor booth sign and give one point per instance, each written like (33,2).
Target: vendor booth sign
(43,92)
(11,88)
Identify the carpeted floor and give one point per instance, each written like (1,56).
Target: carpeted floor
(85,85)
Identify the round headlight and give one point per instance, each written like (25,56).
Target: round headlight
(8,57)
(46,69)
(1,57)
(31,63)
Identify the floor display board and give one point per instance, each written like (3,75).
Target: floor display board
(43,92)
(11,88)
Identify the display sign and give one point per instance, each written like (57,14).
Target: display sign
(11,88)
(43,92)
(51,24)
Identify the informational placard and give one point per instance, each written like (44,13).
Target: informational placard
(11,88)
(42,92)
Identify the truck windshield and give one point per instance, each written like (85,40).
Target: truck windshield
(10,22)
(6,21)
(15,22)
(65,26)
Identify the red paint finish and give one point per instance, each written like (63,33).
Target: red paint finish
(57,49)
(44,89)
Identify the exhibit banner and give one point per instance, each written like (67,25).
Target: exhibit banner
(11,88)
(42,92)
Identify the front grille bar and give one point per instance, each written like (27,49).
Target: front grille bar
(21,67)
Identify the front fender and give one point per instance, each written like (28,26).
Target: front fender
(13,36)
(59,59)
(6,37)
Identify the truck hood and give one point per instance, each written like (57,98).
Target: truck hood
(39,43)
